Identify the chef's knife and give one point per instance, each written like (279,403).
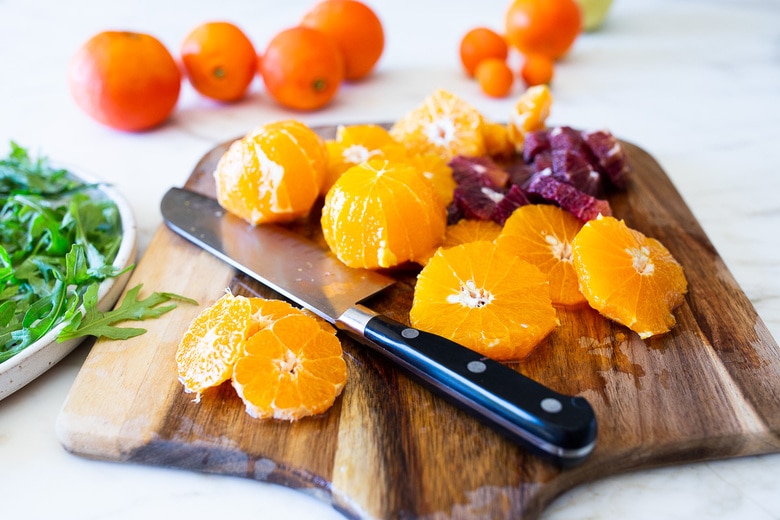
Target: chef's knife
(558,427)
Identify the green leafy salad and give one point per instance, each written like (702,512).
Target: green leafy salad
(58,241)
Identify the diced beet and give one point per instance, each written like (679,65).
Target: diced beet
(519,172)
(543,161)
(573,167)
(481,169)
(565,138)
(513,199)
(535,142)
(610,156)
(579,204)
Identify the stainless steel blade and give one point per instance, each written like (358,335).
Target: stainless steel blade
(298,269)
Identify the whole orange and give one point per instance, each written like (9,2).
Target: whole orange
(126,80)
(220,60)
(302,68)
(479,44)
(494,76)
(357,30)
(546,27)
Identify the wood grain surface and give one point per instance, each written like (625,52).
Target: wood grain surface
(390,449)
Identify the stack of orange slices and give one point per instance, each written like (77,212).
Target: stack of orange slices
(283,363)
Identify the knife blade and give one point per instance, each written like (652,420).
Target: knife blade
(558,427)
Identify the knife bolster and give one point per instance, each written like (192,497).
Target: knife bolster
(355,319)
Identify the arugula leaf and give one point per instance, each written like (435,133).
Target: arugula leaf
(102,324)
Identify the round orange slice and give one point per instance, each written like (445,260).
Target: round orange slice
(628,277)
(291,369)
(484,298)
(443,124)
(542,234)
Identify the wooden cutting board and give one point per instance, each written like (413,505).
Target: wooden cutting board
(390,449)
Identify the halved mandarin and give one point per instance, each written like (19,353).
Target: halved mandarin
(273,174)
(628,277)
(530,113)
(355,144)
(443,124)
(484,298)
(381,214)
(212,343)
(291,369)
(542,234)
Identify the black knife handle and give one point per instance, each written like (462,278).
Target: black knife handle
(555,426)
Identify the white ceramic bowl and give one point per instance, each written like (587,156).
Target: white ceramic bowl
(39,357)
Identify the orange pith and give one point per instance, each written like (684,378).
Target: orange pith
(627,276)
(542,234)
(484,298)
(355,144)
(290,369)
(529,113)
(214,340)
(381,214)
(443,124)
(273,174)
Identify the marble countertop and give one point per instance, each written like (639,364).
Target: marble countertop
(695,83)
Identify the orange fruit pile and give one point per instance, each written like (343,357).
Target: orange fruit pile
(485,298)
(272,174)
(381,214)
(283,363)
(628,277)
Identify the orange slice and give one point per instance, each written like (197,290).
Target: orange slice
(265,312)
(542,234)
(470,230)
(444,124)
(529,114)
(355,144)
(213,341)
(436,170)
(484,298)
(628,277)
(382,214)
(290,369)
(273,174)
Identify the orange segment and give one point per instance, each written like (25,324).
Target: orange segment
(529,113)
(209,348)
(444,124)
(497,141)
(355,144)
(265,312)
(542,234)
(484,298)
(291,369)
(273,174)
(382,214)
(628,277)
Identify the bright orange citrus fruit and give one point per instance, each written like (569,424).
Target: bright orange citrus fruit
(497,141)
(302,68)
(481,43)
(542,234)
(125,80)
(529,114)
(273,174)
(290,369)
(356,29)
(484,298)
(212,343)
(443,124)
(495,78)
(381,214)
(628,277)
(220,60)
(547,27)
(469,230)
(437,171)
